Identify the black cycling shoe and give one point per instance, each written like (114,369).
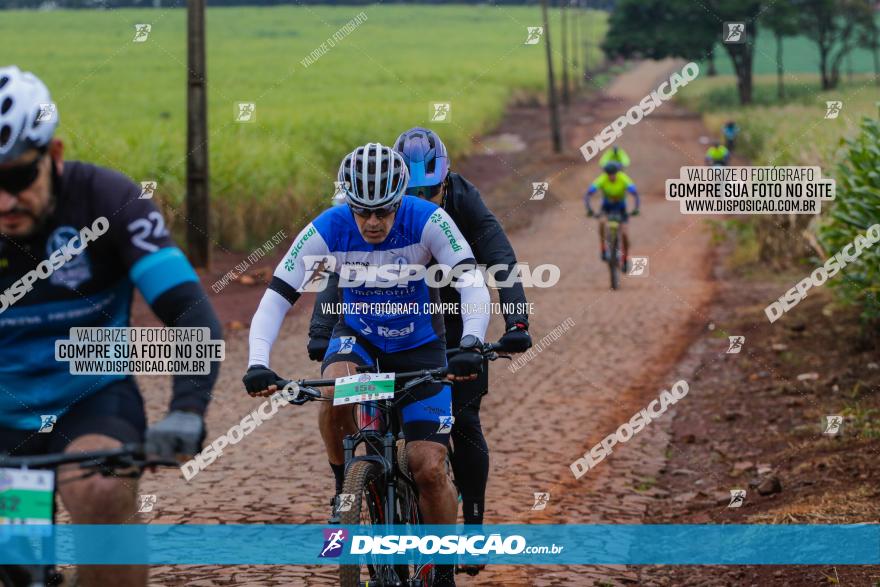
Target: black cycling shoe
(334,510)
(472,570)
(444,576)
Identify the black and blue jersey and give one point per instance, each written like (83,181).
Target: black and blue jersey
(94,288)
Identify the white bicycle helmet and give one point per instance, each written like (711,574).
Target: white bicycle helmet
(23,97)
(375,176)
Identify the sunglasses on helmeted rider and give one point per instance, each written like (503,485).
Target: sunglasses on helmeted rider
(20,177)
(379,212)
(427,192)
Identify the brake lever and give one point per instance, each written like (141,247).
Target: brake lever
(418,381)
(300,394)
(300,398)
(494,354)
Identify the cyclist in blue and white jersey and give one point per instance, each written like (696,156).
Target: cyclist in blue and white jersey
(380,227)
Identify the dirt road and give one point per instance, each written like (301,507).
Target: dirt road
(620,353)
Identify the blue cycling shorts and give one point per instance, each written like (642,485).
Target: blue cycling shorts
(426,411)
(618,207)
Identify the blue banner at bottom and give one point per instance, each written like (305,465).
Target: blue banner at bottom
(519,544)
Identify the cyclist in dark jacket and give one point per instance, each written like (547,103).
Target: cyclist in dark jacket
(431,179)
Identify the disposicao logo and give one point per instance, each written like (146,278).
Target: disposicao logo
(334,539)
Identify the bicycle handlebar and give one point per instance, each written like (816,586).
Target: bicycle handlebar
(127,456)
(488,349)
(305,388)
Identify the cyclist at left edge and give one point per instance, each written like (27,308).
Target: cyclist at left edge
(45,204)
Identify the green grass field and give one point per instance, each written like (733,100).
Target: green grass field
(799,55)
(122,104)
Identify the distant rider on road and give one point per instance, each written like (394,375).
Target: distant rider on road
(614,185)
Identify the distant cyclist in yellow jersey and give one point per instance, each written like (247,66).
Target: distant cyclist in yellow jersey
(614,185)
(717,154)
(612,155)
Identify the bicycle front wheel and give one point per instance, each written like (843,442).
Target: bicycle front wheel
(364,482)
(614,261)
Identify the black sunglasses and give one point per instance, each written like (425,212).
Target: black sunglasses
(379,212)
(20,177)
(428,192)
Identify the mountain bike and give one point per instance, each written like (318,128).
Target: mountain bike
(378,487)
(28,489)
(613,246)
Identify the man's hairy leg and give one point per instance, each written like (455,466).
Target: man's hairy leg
(336,422)
(101,500)
(437,501)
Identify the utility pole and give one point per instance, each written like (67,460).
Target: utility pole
(197,205)
(575,43)
(551,85)
(566,98)
(587,37)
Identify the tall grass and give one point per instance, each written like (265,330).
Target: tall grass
(122,104)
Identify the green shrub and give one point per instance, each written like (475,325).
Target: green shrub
(857,207)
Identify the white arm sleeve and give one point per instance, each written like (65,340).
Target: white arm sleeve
(265,326)
(446,244)
(475,304)
(279,298)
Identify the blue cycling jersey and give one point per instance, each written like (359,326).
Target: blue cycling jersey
(131,248)
(421,233)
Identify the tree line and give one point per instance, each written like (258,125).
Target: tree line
(104,4)
(682,28)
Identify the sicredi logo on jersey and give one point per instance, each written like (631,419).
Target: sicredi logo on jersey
(437,218)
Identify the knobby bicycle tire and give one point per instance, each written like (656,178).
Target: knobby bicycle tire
(614,261)
(361,481)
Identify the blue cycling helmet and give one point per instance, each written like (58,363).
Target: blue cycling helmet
(425,156)
(611,167)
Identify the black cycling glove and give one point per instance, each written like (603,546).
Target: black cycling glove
(258,378)
(179,433)
(469,360)
(516,339)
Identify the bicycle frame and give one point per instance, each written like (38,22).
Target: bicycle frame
(613,246)
(380,440)
(379,427)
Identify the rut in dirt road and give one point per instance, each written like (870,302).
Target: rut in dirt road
(619,354)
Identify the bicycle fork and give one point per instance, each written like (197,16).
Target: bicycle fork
(372,423)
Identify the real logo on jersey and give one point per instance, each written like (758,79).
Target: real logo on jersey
(78,269)
(397,332)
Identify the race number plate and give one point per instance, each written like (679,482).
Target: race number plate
(26,497)
(363,387)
